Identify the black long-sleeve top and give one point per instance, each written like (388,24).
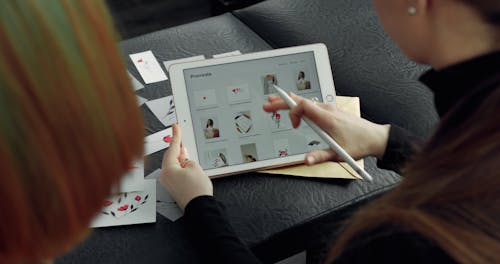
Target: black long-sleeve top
(458,90)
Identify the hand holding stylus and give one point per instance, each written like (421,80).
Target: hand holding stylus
(358,137)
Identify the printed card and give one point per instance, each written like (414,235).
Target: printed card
(227,54)
(141,100)
(157,141)
(148,67)
(133,180)
(238,93)
(205,98)
(281,148)
(190,59)
(164,110)
(129,208)
(135,83)
(165,204)
(314,142)
(243,122)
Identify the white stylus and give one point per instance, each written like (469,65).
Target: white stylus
(327,138)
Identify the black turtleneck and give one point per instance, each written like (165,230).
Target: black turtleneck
(456,83)
(458,89)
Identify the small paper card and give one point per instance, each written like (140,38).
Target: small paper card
(164,110)
(148,67)
(141,100)
(157,141)
(133,180)
(227,54)
(165,204)
(190,59)
(135,83)
(129,208)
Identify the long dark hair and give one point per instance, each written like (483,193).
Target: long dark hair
(489,9)
(451,192)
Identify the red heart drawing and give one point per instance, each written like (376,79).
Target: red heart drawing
(234,90)
(168,139)
(138,198)
(139,60)
(123,208)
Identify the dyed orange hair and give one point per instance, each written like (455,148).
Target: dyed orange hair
(69,123)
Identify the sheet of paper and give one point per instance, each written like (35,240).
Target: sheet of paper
(165,204)
(141,100)
(148,67)
(135,83)
(323,170)
(134,208)
(327,169)
(189,59)
(300,258)
(227,54)
(157,141)
(164,110)
(133,180)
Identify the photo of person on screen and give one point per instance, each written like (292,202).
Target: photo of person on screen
(269,81)
(302,83)
(210,131)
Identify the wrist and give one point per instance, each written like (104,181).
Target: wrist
(380,137)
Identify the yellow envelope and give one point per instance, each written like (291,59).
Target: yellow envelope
(334,170)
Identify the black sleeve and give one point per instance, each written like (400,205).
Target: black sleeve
(401,146)
(213,235)
(393,247)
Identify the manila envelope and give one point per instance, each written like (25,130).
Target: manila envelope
(329,169)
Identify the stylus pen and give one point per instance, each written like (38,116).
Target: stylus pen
(327,138)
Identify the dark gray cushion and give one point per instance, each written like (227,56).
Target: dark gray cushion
(365,61)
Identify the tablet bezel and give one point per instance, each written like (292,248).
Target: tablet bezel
(183,112)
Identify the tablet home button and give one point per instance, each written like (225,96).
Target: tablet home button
(329,98)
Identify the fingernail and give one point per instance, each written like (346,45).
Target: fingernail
(310,160)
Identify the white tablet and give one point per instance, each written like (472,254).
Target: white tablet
(219,108)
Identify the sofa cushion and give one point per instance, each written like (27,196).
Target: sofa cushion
(365,61)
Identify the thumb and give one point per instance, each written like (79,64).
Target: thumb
(170,157)
(319,156)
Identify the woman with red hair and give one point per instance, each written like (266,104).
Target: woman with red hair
(69,124)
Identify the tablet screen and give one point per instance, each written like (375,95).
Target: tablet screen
(226,101)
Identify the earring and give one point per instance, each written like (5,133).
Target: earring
(412,10)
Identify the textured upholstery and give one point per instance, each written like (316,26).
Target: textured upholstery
(277,215)
(365,61)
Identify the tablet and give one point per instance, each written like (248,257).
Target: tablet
(219,108)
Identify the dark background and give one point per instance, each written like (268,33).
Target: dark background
(137,17)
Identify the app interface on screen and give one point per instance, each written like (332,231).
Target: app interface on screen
(226,102)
